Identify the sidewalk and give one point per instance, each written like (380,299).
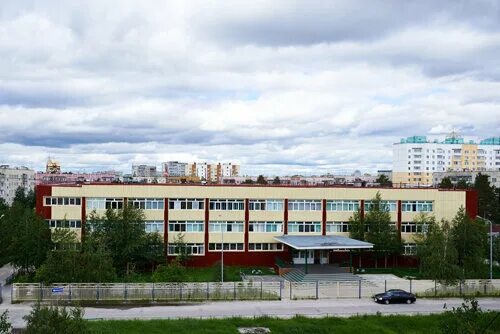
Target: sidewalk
(5,272)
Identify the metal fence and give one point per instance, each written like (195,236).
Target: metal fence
(366,289)
(1,288)
(150,292)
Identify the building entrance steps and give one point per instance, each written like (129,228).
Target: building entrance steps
(323,273)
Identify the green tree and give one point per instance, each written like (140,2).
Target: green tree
(64,238)
(357,228)
(172,272)
(437,252)
(496,248)
(76,267)
(446,183)
(55,320)
(152,251)
(467,319)
(489,206)
(470,239)
(379,230)
(261,180)
(28,240)
(181,249)
(248,181)
(120,232)
(384,181)
(462,184)
(276,180)
(5,326)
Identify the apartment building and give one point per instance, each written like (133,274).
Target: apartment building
(416,158)
(469,177)
(254,225)
(212,172)
(174,168)
(144,171)
(12,178)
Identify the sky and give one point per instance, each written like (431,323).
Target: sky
(280,87)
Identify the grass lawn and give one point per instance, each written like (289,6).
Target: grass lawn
(363,324)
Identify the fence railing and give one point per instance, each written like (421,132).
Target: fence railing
(366,289)
(150,292)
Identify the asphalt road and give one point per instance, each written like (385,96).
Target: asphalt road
(282,309)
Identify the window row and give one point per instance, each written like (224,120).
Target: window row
(417,206)
(186,204)
(338,227)
(265,204)
(226,226)
(227,246)
(52,201)
(65,223)
(304,205)
(147,203)
(414,228)
(189,249)
(227,204)
(341,205)
(101,203)
(186,226)
(389,206)
(265,227)
(304,227)
(265,247)
(154,226)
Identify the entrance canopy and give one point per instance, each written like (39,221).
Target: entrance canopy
(301,242)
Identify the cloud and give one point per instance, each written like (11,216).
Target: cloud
(281,87)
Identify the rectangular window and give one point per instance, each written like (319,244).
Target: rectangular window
(338,227)
(265,227)
(155,226)
(410,227)
(417,206)
(227,205)
(186,204)
(226,226)
(389,206)
(266,247)
(64,223)
(230,247)
(265,204)
(147,203)
(96,203)
(304,227)
(190,249)
(186,226)
(52,201)
(342,205)
(304,205)
(410,249)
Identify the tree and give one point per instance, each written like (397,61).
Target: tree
(5,326)
(261,180)
(467,319)
(64,239)
(496,248)
(181,249)
(173,272)
(357,228)
(446,183)
(489,206)
(152,251)
(438,255)
(121,232)
(248,181)
(470,239)
(54,320)
(26,199)
(276,180)
(384,181)
(462,184)
(76,267)
(29,238)
(379,230)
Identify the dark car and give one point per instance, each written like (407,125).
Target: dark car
(395,296)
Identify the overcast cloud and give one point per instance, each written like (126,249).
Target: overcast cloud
(278,86)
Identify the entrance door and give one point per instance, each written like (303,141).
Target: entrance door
(324,256)
(299,257)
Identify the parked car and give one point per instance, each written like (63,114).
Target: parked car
(395,296)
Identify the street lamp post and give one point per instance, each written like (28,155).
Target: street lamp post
(222,254)
(491,246)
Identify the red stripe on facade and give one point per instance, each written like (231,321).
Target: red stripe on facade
(241,258)
(323,227)
(207,219)
(165,226)
(472,204)
(247,218)
(285,216)
(84,216)
(362,210)
(42,191)
(399,218)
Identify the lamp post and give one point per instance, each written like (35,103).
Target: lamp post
(491,245)
(223,226)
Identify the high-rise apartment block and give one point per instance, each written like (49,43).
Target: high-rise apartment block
(174,168)
(144,171)
(201,170)
(12,178)
(417,158)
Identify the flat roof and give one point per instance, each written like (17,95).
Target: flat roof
(322,242)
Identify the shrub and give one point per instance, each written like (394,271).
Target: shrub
(55,320)
(173,272)
(5,326)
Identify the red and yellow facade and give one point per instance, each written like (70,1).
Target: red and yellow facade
(249,240)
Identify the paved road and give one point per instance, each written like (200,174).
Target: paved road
(283,309)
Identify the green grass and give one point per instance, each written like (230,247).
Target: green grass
(427,324)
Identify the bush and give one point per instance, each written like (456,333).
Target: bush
(466,319)
(216,273)
(5,326)
(173,272)
(55,320)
